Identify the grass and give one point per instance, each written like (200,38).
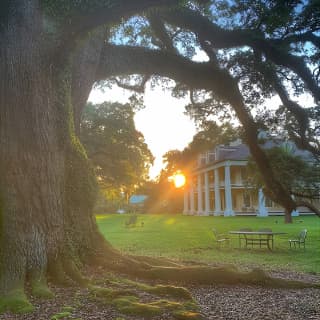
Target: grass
(189,238)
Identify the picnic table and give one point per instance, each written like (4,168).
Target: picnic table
(258,238)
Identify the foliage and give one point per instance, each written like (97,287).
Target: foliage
(296,174)
(163,196)
(206,139)
(117,150)
(255,50)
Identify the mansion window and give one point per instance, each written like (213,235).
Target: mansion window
(246,200)
(269,203)
(244,175)
(211,156)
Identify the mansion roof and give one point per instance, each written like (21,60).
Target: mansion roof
(240,151)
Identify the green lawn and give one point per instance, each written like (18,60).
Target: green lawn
(189,238)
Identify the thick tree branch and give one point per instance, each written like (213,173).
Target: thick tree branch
(299,113)
(83,22)
(126,60)
(303,37)
(84,68)
(303,195)
(209,50)
(309,205)
(159,29)
(139,88)
(221,38)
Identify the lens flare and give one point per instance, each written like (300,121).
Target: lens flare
(179,180)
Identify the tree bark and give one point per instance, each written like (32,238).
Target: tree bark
(47,187)
(32,153)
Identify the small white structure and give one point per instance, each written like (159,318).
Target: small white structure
(295,213)
(262,210)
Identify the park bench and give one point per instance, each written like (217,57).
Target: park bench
(131,221)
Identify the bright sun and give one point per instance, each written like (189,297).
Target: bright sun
(179,180)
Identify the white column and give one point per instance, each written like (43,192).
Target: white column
(217,209)
(186,201)
(200,206)
(227,192)
(262,210)
(192,211)
(206,194)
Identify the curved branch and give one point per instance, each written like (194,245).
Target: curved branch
(85,62)
(209,50)
(107,12)
(275,50)
(299,113)
(308,205)
(126,60)
(160,32)
(139,88)
(304,37)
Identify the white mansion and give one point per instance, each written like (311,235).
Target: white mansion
(218,184)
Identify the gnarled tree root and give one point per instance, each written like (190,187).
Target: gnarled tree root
(65,271)
(201,275)
(15,301)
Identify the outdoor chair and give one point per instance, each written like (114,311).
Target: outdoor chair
(301,239)
(243,236)
(220,238)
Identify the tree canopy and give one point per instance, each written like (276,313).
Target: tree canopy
(254,51)
(118,151)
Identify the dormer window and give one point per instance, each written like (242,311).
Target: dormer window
(211,156)
(202,159)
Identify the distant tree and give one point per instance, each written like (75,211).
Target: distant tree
(298,175)
(210,136)
(163,196)
(120,156)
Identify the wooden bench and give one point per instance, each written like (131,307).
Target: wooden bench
(131,221)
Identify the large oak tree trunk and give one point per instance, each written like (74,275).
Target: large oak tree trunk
(32,152)
(47,190)
(47,187)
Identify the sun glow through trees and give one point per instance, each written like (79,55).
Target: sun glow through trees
(178,179)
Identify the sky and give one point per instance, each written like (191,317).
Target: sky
(162,122)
